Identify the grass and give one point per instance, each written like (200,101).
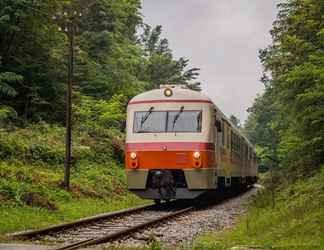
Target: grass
(88,195)
(17,218)
(296,222)
(32,197)
(31,173)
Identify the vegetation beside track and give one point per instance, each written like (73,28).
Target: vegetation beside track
(286,124)
(31,173)
(296,221)
(117,56)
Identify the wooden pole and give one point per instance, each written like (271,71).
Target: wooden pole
(67,165)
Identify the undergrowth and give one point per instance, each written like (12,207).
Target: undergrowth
(295,222)
(31,173)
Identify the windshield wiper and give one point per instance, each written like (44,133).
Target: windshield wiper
(146,116)
(199,116)
(177,116)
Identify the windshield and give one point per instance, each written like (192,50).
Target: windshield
(154,123)
(168,121)
(188,121)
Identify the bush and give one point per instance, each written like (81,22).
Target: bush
(44,144)
(296,221)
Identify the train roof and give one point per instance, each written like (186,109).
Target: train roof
(182,93)
(179,93)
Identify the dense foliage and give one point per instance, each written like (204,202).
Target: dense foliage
(116,57)
(115,54)
(287,121)
(296,222)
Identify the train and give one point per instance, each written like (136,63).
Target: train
(180,145)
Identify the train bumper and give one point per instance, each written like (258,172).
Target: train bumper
(203,178)
(154,193)
(137,178)
(197,181)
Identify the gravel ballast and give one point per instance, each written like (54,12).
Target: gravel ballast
(182,230)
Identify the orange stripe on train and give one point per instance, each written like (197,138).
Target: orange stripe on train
(170,155)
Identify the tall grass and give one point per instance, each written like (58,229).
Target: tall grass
(296,222)
(31,174)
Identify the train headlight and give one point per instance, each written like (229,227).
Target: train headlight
(133,156)
(168,92)
(196,155)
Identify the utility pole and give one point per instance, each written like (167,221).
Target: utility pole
(68,143)
(67,22)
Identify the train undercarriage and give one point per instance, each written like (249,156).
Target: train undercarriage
(172,184)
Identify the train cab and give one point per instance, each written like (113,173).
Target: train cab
(170,151)
(179,145)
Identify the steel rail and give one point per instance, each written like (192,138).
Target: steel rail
(63,226)
(120,233)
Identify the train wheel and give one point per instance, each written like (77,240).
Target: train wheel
(157,201)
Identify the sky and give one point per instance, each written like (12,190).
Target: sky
(222,37)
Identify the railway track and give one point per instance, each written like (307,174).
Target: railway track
(107,232)
(108,227)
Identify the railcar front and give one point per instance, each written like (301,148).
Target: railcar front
(170,152)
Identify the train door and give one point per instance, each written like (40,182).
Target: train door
(225,157)
(221,163)
(218,139)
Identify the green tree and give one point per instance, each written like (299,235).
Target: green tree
(6,79)
(291,110)
(110,57)
(28,42)
(161,67)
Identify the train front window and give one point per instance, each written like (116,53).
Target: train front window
(152,123)
(167,121)
(186,121)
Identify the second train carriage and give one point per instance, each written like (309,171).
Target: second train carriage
(179,145)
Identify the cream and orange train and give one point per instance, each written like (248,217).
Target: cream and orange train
(179,145)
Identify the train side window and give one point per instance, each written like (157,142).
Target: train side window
(235,140)
(242,147)
(232,140)
(228,137)
(244,150)
(236,144)
(223,133)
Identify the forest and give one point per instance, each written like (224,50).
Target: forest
(286,122)
(117,56)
